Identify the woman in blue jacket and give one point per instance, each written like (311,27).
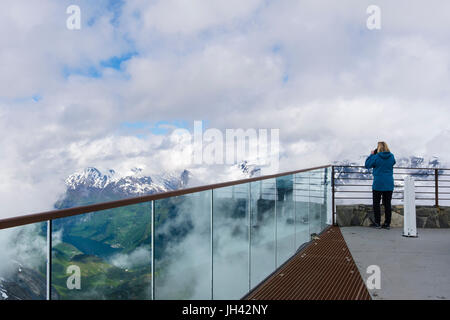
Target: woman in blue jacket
(382,161)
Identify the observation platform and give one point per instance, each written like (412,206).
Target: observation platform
(251,239)
(324,270)
(411,268)
(334,267)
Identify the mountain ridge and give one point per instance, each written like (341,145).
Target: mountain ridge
(410,162)
(90,185)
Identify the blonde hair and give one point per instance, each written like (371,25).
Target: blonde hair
(383,147)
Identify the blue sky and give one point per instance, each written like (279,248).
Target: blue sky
(141,128)
(96,71)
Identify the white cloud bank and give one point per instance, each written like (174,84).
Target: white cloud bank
(310,68)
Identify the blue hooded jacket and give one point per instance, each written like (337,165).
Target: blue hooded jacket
(383,172)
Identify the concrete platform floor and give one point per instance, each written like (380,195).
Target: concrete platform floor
(411,268)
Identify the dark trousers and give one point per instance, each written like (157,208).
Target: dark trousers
(387,197)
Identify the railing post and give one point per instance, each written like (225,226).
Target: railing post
(49,260)
(309,204)
(436,187)
(332,196)
(249,208)
(276,225)
(294,198)
(152,265)
(325,193)
(212,243)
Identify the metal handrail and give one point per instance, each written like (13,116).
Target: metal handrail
(62,213)
(436,172)
(408,168)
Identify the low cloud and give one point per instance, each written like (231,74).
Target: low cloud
(22,247)
(314,71)
(139,257)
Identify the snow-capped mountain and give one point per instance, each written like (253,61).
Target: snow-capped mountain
(419,162)
(3,291)
(23,284)
(90,177)
(250,170)
(92,186)
(422,164)
(407,162)
(410,162)
(133,184)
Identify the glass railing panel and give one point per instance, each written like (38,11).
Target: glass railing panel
(183,247)
(262,215)
(285,218)
(231,242)
(23,259)
(301,198)
(316,200)
(103,255)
